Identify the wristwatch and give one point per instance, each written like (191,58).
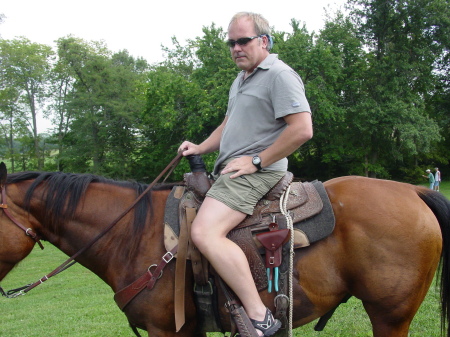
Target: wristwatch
(257,162)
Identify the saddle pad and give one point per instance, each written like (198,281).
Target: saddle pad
(172,218)
(320,225)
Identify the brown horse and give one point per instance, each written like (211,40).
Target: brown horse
(385,249)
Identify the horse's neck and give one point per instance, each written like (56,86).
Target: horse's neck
(110,257)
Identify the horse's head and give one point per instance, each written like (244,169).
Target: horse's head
(34,206)
(16,230)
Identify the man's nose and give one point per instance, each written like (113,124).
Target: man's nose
(237,47)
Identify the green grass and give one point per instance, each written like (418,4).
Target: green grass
(73,303)
(77,303)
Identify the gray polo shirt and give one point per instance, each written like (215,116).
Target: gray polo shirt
(256,107)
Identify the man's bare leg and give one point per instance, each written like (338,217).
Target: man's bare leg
(211,225)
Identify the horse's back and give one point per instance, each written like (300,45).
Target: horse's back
(380,203)
(389,214)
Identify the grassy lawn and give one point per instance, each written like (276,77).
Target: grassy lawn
(77,303)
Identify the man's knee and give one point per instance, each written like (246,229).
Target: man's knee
(199,236)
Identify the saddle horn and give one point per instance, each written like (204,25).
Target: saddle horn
(196,163)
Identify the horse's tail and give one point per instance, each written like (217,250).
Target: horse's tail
(440,206)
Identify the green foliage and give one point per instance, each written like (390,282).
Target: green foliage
(413,175)
(92,311)
(101,110)
(376,77)
(378,117)
(172,108)
(23,90)
(187,99)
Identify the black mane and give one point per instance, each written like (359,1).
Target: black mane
(62,193)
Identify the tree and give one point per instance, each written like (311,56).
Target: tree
(377,81)
(172,103)
(402,42)
(104,105)
(334,69)
(61,89)
(187,98)
(9,97)
(26,68)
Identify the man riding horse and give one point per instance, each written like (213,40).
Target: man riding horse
(268,118)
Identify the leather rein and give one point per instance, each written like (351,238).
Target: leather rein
(70,261)
(28,231)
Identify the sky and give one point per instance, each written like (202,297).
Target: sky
(141,27)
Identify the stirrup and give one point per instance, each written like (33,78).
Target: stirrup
(268,326)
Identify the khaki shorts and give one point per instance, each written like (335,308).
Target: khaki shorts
(242,193)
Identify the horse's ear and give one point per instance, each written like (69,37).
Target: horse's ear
(3,174)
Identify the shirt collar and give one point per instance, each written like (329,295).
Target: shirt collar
(265,64)
(268,61)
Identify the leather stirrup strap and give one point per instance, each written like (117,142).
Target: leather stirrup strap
(180,273)
(200,265)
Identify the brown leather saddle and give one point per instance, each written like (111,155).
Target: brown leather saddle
(307,205)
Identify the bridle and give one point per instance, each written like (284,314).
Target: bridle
(28,231)
(69,262)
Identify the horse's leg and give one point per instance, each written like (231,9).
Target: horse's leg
(384,326)
(5,268)
(394,294)
(392,316)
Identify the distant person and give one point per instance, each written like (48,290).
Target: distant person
(430,178)
(437,179)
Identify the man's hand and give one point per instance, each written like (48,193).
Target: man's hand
(241,165)
(187,148)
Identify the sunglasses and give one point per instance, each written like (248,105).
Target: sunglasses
(242,41)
